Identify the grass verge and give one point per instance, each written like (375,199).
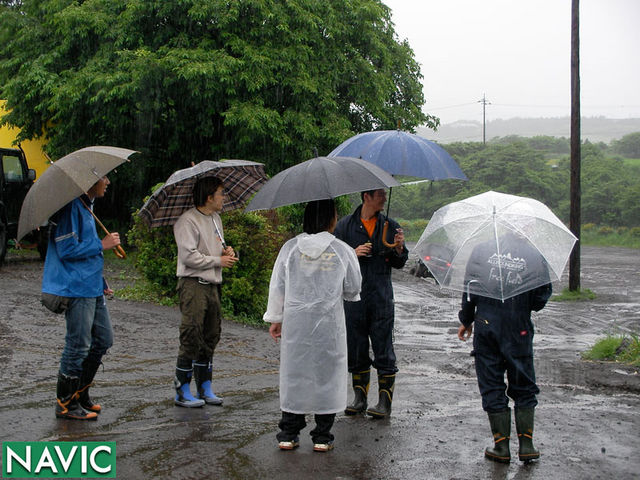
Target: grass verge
(574,295)
(616,348)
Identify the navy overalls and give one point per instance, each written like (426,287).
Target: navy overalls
(373,316)
(503,341)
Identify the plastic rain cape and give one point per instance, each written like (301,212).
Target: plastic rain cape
(311,277)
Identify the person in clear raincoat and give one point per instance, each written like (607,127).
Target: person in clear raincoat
(313,274)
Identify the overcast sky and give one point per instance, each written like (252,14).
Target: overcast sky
(518,53)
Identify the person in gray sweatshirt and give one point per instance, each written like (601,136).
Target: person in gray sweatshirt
(202,254)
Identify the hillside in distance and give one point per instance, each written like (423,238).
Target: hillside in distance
(594,129)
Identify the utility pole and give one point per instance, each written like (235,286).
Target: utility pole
(484,103)
(574,215)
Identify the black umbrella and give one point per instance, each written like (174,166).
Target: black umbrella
(318,179)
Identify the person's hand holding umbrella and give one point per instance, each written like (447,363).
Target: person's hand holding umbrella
(111,241)
(228,258)
(398,241)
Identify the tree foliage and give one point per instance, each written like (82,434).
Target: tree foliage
(182,81)
(610,187)
(629,145)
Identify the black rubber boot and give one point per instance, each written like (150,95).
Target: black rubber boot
(385,397)
(524,427)
(182,382)
(360,382)
(67,405)
(501,429)
(89,369)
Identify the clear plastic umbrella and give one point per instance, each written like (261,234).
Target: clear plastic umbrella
(495,245)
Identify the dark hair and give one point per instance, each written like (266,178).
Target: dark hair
(318,216)
(370,192)
(204,187)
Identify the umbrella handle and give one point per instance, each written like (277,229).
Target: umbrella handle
(118,250)
(384,236)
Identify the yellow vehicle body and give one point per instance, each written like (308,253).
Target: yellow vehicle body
(33,149)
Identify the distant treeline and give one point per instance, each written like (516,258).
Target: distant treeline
(539,168)
(596,129)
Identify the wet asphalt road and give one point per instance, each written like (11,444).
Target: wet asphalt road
(587,420)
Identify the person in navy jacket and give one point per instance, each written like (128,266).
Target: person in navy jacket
(370,321)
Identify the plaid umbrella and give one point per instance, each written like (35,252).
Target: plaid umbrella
(240,178)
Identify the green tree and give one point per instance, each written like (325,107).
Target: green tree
(182,81)
(512,168)
(629,145)
(608,186)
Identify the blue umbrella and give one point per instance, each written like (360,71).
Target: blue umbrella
(401,153)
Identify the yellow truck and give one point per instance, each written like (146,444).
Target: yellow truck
(20,164)
(33,149)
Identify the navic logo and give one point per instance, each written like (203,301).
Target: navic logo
(58,460)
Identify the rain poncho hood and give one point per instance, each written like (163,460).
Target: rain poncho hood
(312,276)
(314,245)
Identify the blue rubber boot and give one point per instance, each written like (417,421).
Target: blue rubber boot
(202,371)
(182,384)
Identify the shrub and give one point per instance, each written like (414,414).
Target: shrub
(156,255)
(257,238)
(588,226)
(413,228)
(635,232)
(619,348)
(605,230)
(622,230)
(604,349)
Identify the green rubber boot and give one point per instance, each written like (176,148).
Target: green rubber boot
(524,427)
(501,429)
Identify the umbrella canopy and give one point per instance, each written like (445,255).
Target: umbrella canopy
(495,245)
(66,179)
(241,179)
(401,153)
(318,179)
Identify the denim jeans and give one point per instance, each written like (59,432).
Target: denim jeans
(89,334)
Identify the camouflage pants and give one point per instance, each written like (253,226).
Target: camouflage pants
(200,327)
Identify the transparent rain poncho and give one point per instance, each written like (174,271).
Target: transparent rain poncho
(312,276)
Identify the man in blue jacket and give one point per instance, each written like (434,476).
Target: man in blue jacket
(73,269)
(372,318)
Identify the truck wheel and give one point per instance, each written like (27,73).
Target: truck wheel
(3,242)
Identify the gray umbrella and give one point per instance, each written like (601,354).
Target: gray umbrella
(318,179)
(66,179)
